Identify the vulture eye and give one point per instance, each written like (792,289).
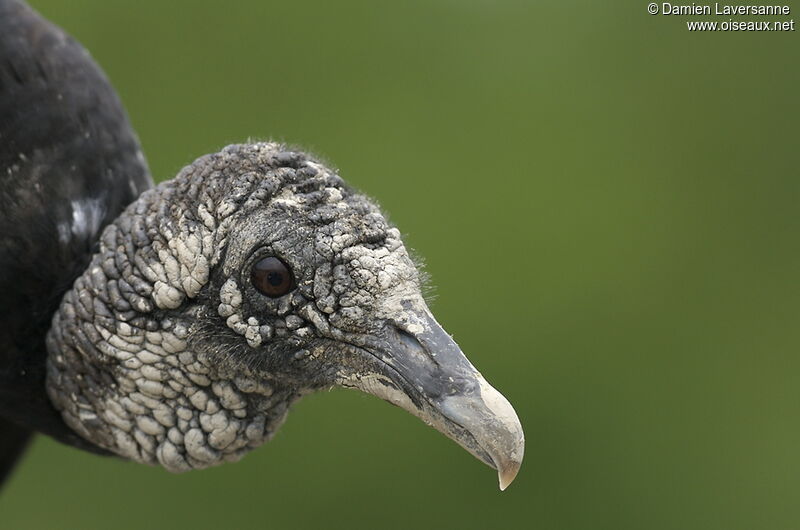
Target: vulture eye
(272,277)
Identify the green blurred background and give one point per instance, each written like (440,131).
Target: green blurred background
(607,204)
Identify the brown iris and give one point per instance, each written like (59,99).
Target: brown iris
(272,277)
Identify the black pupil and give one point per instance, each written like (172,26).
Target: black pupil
(272,277)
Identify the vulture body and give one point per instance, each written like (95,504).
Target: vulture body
(175,325)
(69,163)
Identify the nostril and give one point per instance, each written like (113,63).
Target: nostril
(409,340)
(415,350)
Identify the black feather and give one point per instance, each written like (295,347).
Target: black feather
(69,163)
(13,441)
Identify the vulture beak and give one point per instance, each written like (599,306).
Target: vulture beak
(417,366)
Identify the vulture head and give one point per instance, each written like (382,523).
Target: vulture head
(219,298)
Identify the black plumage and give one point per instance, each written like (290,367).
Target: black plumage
(69,164)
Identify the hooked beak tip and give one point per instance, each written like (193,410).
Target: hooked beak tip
(507,445)
(506,476)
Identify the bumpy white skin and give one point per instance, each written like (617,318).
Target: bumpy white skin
(164,353)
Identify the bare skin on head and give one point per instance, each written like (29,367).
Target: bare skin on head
(255,277)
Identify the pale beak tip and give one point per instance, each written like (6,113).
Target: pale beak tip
(505,442)
(506,476)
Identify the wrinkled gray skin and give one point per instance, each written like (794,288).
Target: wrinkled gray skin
(164,353)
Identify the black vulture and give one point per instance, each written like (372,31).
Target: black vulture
(174,325)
